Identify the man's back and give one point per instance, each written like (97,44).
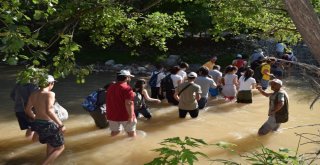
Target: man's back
(42,102)
(205,83)
(187,96)
(116,96)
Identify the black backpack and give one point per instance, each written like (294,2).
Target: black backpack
(153,80)
(167,83)
(282,116)
(257,73)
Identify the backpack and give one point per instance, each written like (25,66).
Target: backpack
(90,103)
(282,116)
(257,72)
(153,80)
(167,83)
(239,63)
(138,101)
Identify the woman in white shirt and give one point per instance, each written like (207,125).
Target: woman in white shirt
(246,84)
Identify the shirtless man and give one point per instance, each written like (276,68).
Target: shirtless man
(46,123)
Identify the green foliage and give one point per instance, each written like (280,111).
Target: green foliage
(176,151)
(33,75)
(269,157)
(42,32)
(255,18)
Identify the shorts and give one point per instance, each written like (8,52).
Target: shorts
(23,120)
(244,96)
(269,125)
(193,113)
(48,132)
(115,126)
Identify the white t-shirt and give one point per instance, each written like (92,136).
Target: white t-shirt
(246,85)
(183,74)
(175,78)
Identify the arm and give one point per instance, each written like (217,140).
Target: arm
(266,72)
(235,81)
(130,109)
(176,96)
(278,105)
(213,84)
(253,85)
(148,98)
(198,96)
(50,110)
(263,92)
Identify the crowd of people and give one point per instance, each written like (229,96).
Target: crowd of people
(119,105)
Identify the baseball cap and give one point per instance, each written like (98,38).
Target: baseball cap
(125,73)
(277,81)
(192,74)
(51,79)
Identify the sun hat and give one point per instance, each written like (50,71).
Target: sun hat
(192,75)
(125,73)
(277,81)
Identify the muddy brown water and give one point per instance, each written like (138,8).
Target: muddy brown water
(222,121)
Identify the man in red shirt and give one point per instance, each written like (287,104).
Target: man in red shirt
(120,105)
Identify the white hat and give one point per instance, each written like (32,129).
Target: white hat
(239,56)
(192,74)
(277,81)
(50,79)
(259,50)
(125,73)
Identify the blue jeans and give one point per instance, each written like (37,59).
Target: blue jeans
(264,84)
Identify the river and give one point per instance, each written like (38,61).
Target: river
(222,121)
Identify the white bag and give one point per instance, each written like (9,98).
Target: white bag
(61,112)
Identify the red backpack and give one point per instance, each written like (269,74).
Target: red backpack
(239,63)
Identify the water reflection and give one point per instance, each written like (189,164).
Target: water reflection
(85,144)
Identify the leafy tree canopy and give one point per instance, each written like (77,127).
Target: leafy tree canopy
(43,32)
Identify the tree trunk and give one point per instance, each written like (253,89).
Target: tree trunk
(307,23)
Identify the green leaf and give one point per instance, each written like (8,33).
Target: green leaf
(36,1)
(38,14)
(23,57)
